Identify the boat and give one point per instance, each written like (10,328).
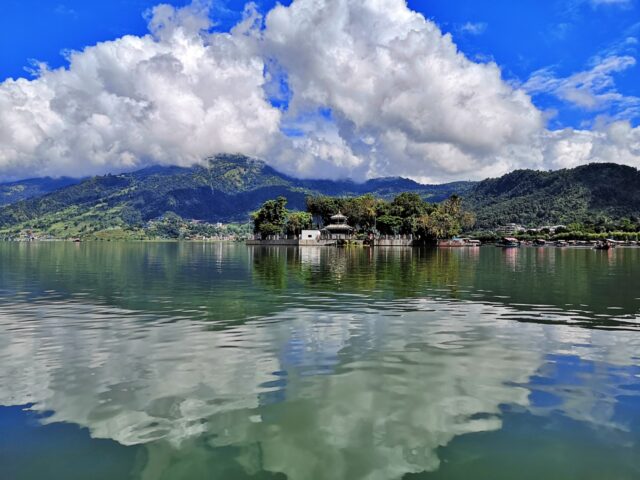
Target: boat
(459,242)
(606,245)
(539,242)
(508,242)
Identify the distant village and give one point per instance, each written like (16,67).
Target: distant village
(320,227)
(515,229)
(166,227)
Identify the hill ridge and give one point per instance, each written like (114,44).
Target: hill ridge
(228,187)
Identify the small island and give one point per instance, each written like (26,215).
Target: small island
(406,220)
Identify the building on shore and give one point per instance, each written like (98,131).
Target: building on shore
(338,229)
(510,229)
(310,235)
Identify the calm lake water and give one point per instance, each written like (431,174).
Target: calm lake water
(221,361)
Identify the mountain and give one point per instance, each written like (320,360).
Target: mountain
(13,192)
(227,188)
(587,194)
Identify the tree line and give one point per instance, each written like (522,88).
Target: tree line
(406,214)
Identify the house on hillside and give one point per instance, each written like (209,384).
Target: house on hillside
(510,229)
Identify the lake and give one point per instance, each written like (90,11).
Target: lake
(222,361)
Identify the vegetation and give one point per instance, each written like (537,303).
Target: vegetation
(296,222)
(590,200)
(172,226)
(13,192)
(226,189)
(406,214)
(598,196)
(273,218)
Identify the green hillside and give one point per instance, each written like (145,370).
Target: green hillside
(588,194)
(226,189)
(13,192)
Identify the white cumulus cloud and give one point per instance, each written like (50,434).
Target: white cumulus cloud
(390,75)
(172,96)
(370,88)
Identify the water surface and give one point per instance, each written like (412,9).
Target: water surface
(220,361)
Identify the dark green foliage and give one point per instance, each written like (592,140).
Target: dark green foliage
(168,227)
(298,221)
(598,197)
(596,194)
(322,207)
(389,224)
(131,216)
(409,204)
(270,219)
(273,218)
(406,214)
(13,192)
(362,211)
(226,189)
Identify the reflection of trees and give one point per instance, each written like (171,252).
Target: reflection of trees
(376,273)
(230,283)
(207,281)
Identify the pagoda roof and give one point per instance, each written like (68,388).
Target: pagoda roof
(338,226)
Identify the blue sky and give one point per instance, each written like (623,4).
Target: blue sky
(371,89)
(522,37)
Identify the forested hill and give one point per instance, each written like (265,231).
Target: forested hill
(226,189)
(13,192)
(587,194)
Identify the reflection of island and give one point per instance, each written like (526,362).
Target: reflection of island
(228,283)
(373,394)
(384,273)
(578,282)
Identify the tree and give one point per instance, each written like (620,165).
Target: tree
(368,206)
(321,207)
(270,219)
(452,206)
(389,224)
(409,204)
(131,216)
(440,225)
(298,221)
(169,226)
(268,229)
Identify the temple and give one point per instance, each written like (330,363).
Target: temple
(338,229)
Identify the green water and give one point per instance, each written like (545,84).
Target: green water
(221,361)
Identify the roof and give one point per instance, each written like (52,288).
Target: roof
(338,226)
(339,216)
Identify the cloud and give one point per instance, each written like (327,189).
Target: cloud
(616,142)
(592,90)
(321,88)
(574,7)
(391,76)
(597,3)
(65,10)
(472,28)
(88,380)
(172,96)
